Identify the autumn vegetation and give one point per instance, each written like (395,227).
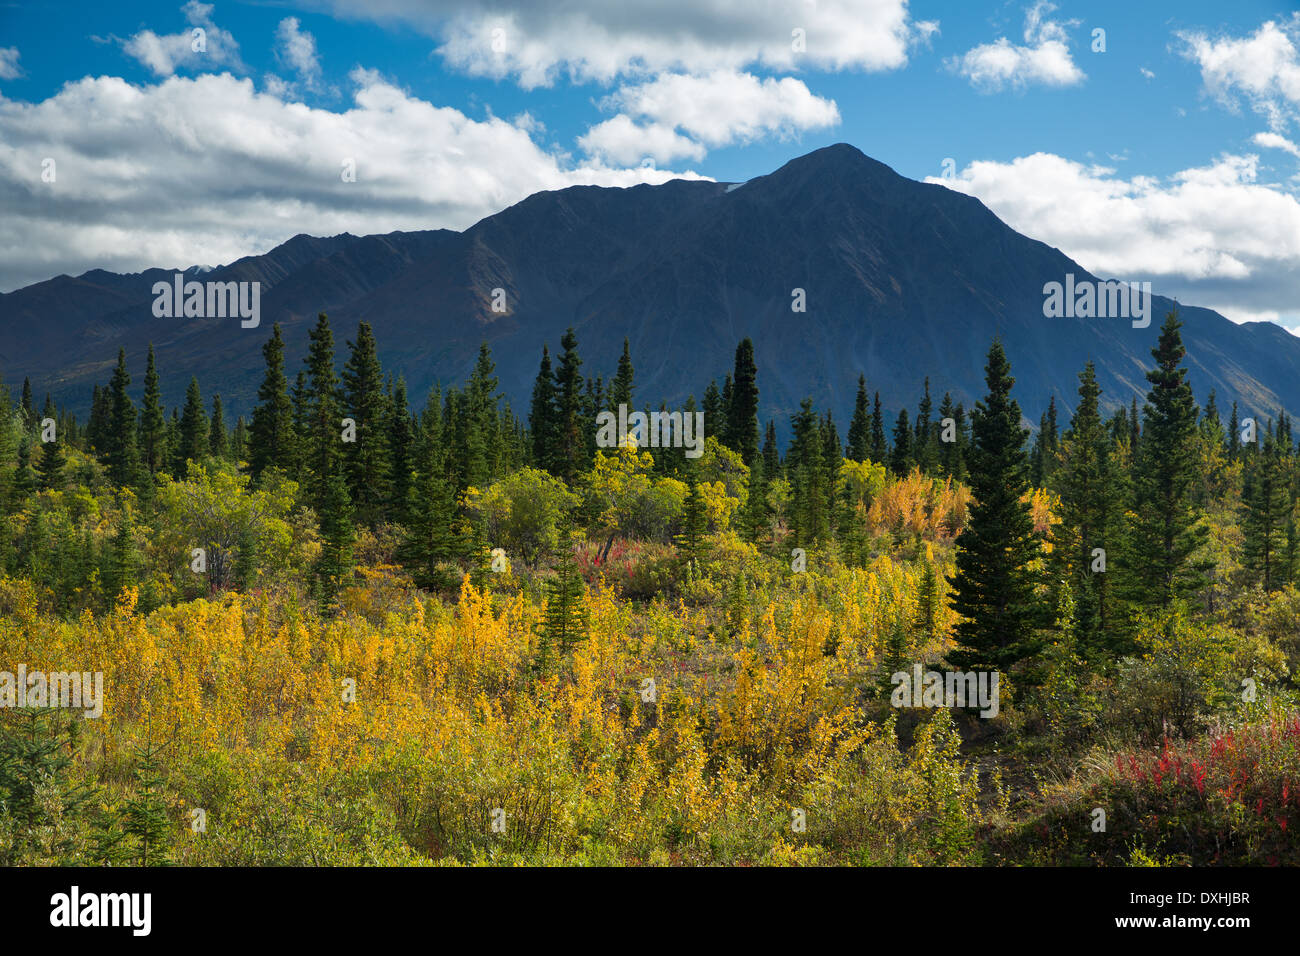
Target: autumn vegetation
(467,637)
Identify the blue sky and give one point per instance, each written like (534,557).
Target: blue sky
(1169,156)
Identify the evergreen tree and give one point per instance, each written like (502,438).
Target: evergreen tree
(806,464)
(565,622)
(715,412)
(28,406)
(1090,490)
(25,481)
(323,423)
(366,458)
(51,465)
(1234,434)
(239,442)
(994,587)
(146,812)
(571,444)
(860,425)
(123,559)
(742,422)
(1165,533)
(695,526)
(334,567)
(901,461)
(153,420)
(402,450)
(194,430)
(543,419)
(218,440)
(120,451)
(430,540)
(620,392)
(271,432)
(771,454)
(97,426)
(879,449)
(952,454)
(926,453)
(1265,513)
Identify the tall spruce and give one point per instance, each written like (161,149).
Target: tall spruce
(742,414)
(1165,533)
(543,418)
(218,438)
(194,430)
(121,457)
(271,432)
(621,389)
(860,424)
(153,420)
(994,588)
(366,457)
(571,437)
(1091,494)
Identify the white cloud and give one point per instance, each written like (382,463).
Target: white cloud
(621,141)
(203,46)
(1211,235)
(1276,141)
(1147,74)
(207,169)
(1044,58)
(715,110)
(297,48)
(9,68)
(1264,68)
(602,40)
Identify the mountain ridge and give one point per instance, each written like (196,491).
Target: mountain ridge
(902,280)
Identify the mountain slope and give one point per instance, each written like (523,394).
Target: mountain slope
(901,280)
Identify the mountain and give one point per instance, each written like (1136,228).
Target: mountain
(901,280)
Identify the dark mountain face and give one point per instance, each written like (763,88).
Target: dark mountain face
(900,280)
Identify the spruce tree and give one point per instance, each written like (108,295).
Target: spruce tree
(621,389)
(153,420)
(926,454)
(994,588)
(1265,513)
(323,422)
(695,526)
(806,466)
(194,430)
(120,453)
(771,454)
(366,458)
(543,419)
(879,448)
(402,453)
(571,438)
(218,440)
(335,566)
(565,623)
(860,425)
(1090,488)
(51,464)
(901,458)
(742,414)
(1165,533)
(271,432)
